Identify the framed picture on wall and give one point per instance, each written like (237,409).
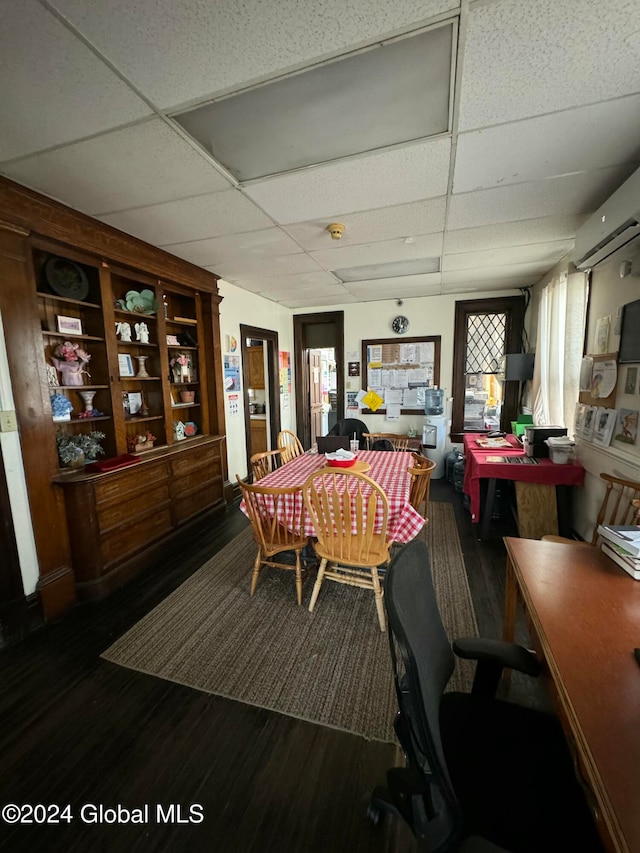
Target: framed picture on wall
(605,421)
(602,334)
(631,380)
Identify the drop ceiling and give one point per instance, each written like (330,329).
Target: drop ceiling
(543,125)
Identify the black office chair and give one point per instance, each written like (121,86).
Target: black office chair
(480,771)
(349,426)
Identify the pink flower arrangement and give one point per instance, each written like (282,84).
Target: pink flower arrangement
(182,359)
(71,352)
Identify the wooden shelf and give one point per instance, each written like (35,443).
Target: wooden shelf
(83,420)
(141,418)
(136,314)
(53,298)
(66,336)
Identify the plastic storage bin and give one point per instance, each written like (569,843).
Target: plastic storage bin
(561,449)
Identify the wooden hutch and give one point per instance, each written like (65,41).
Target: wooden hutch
(63,272)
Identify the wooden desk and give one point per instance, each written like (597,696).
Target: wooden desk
(535,486)
(584,615)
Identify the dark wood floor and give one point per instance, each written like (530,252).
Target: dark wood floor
(77,730)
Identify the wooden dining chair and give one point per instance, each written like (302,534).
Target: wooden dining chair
(277,521)
(290,445)
(619,506)
(264,463)
(350,516)
(421,470)
(400,442)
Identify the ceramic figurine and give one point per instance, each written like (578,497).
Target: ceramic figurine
(142,333)
(124,330)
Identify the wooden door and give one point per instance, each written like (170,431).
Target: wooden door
(315,394)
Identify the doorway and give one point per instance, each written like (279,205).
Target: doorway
(318,352)
(261,389)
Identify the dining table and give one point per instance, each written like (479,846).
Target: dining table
(389,469)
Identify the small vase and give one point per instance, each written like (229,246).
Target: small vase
(71,372)
(87,397)
(187,396)
(142,370)
(78,461)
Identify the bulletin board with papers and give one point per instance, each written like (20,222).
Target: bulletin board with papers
(399,372)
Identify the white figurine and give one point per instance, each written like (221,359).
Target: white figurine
(124,330)
(142,333)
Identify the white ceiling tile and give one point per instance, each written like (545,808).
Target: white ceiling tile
(195,218)
(257,244)
(426,246)
(401,287)
(312,302)
(577,140)
(335,291)
(387,223)
(252,268)
(177,54)
(523,59)
(497,273)
(315,281)
(397,176)
(582,193)
(513,233)
(53,89)
(486,285)
(545,253)
(120,170)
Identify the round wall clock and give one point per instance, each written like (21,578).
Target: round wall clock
(400,325)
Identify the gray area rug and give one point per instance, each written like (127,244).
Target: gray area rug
(331,667)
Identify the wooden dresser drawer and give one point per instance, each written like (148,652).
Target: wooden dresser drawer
(127,540)
(197,477)
(127,509)
(199,457)
(199,501)
(135,479)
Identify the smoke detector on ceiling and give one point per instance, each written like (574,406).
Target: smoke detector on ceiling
(336,229)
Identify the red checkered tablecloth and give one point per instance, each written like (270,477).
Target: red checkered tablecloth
(388,469)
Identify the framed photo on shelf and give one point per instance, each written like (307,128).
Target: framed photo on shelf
(125,364)
(135,402)
(69,325)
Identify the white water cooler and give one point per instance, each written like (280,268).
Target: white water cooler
(433,438)
(434,431)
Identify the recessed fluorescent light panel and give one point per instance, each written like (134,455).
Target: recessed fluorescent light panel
(391,270)
(391,93)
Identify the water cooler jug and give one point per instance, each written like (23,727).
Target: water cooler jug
(434,429)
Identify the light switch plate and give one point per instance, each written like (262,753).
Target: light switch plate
(8,422)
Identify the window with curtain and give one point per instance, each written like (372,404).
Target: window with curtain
(485,329)
(559,350)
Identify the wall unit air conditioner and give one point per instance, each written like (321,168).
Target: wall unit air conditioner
(612,226)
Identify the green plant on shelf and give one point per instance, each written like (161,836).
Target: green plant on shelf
(78,447)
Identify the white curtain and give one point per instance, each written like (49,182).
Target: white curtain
(559,349)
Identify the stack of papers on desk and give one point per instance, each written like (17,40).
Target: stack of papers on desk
(622,544)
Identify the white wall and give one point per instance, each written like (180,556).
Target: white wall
(239,306)
(16,483)
(608,293)
(428,315)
